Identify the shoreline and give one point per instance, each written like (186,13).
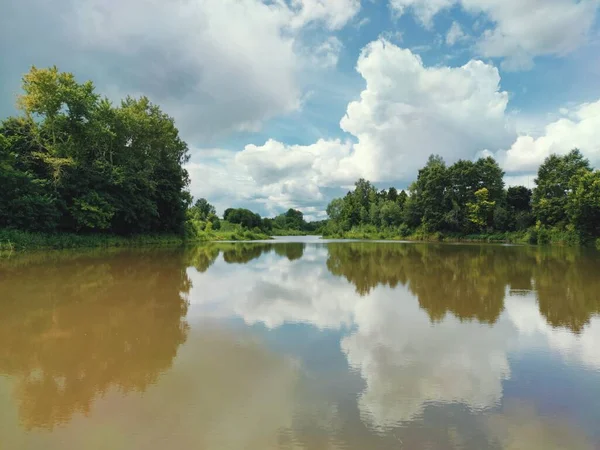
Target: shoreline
(22,241)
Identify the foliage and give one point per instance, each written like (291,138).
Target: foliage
(583,206)
(73,162)
(550,197)
(468,198)
(481,210)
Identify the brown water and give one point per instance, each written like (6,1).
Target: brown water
(301,345)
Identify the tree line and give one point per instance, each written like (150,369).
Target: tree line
(74,162)
(469,197)
(202,216)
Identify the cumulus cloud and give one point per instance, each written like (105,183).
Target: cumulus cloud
(578,128)
(406,112)
(216,65)
(522,29)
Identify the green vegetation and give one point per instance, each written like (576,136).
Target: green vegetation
(468,201)
(77,171)
(290,223)
(16,240)
(471,281)
(75,163)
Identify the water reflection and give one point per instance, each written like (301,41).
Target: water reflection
(423,325)
(70,331)
(295,346)
(470,282)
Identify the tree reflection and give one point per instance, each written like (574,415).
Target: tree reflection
(242,253)
(471,281)
(203,256)
(70,332)
(291,250)
(568,287)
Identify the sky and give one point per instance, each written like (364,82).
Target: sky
(286,103)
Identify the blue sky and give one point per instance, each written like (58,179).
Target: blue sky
(286,103)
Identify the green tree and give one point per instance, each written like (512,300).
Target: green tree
(428,193)
(202,209)
(583,207)
(481,211)
(391,213)
(518,198)
(73,162)
(550,197)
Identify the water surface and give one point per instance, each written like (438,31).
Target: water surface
(301,344)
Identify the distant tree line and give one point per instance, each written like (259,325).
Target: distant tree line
(74,162)
(291,220)
(470,197)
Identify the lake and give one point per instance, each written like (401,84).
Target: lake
(301,344)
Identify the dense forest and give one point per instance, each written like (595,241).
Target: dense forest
(469,198)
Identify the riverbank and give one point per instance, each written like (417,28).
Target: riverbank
(533,236)
(15,240)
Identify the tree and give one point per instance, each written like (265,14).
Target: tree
(202,209)
(428,193)
(74,162)
(583,207)
(481,211)
(391,213)
(402,197)
(392,194)
(550,197)
(335,209)
(518,198)
(295,219)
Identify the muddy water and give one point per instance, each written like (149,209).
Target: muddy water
(301,345)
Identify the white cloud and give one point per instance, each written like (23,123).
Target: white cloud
(425,10)
(216,65)
(522,29)
(455,34)
(525,29)
(326,54)
(273,177)
(578,128)
(406,112)
(334,13)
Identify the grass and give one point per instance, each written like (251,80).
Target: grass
(15,240)
(241,235)
(534,235)
(21,240)
(289,232)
